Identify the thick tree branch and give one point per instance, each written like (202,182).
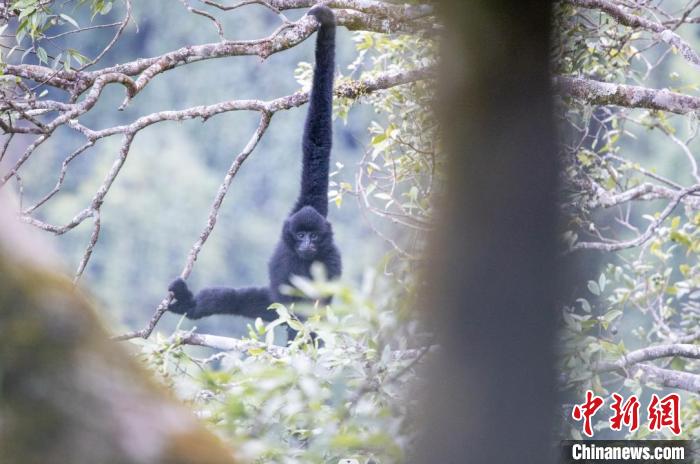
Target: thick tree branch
(634,364)
(663,377)
(217,342)
(669,378)
(347,89)
(285,37)
(404,12)
(630,96)
(645,192)
(651,353)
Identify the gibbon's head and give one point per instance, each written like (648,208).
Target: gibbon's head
(307,233)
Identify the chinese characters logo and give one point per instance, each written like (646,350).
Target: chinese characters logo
(661,412)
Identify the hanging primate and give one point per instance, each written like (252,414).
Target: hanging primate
(307,236)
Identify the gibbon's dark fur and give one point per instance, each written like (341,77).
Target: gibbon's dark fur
(307,236)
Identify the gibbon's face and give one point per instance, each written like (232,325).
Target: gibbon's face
(307,232)
(307,243)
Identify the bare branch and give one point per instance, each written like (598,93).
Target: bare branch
(226,343)
(61,177)
(211,222)
(91,245)
(405,11)
(285,37)
(352,89)
(217,24)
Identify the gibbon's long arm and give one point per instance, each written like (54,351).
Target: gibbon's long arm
(317,139)
(249,302)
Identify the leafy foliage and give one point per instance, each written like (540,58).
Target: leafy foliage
(36,18)
(622,167)
(350,398)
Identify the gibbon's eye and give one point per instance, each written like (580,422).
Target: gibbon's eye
(300,235)
(313,235)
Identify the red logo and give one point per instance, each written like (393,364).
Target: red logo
(662,412)
(665,412)
(625,414)
(586,411)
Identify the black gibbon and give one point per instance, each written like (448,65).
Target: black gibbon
(307,236)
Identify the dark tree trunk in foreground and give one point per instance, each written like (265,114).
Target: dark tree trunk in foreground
(493,276)
(67,393)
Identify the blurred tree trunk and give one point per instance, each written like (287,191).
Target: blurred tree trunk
(493,272)
(67,393)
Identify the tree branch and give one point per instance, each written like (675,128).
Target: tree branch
(619,14)
(630,96)
(218,342)
(645,191)
(615,246)
(285,37)
(211,222)
(664,377)
(634,364)
(348,89)
(651,353)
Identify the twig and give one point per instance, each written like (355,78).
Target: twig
(646,235)
(217,24)
(211,222)
(91,245)
(116,36)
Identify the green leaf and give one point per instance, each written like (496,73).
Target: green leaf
(675,222)
(67,18)
(585,305)
(611,315)
(106,8)
(601,282)
(679,237)
(41,54)
(593,287)
(377,139)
